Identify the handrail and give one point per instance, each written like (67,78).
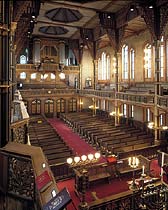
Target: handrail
(142,98)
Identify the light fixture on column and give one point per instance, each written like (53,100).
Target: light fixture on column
(80,105)
(151,125)
(93,108)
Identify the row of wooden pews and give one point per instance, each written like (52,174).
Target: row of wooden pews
(105,136)
(42,134)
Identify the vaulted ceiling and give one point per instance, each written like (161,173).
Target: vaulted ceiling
(65,19)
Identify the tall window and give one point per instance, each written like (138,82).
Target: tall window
(44,76)
(23,75)
(148,60)
(33,76)
(52,76)
(99,69)
(132,111)
(108,67)
(148,115)
(72,103)
(162,58)
(104,67)
(132,63)
(125,61)
(161,120)
(23,59)
(125,109)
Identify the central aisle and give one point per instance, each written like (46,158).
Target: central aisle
(73,140)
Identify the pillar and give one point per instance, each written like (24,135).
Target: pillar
(116,91)
(5,83)
(94,73)
(157,88)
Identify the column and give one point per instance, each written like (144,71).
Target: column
(116,91)
(94,74)
(157,88)
(5,90)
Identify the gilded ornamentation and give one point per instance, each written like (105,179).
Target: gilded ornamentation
(21,178)
(19,134)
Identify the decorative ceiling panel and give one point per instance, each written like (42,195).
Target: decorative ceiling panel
(63,15)
(53,30)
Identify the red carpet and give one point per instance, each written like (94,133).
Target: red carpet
(73,140)
(155,168)
(102,190)
(80,147)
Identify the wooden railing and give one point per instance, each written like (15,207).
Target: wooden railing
(145,99)
(45,67)
(47,92)
(141,99)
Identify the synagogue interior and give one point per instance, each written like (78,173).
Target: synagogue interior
(83,105)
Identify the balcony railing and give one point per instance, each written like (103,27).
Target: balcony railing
(46,67)
(143,99)
(49,92)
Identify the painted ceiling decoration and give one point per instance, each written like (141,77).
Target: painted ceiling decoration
(53,30)
(63,15)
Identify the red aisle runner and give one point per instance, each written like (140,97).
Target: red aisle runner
(73,140)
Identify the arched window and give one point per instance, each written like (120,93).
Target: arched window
(125,61)
(125,109)
(132,64)
(99,69)
(72,105)
(36,107)
(148,115)
(161,119)
(23,59)
(23,75)
(132,110)
(44,76)
(33,76)
(104,67)
(61,105)
(148,60)
(52,76)
(49,106)
(108,67)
